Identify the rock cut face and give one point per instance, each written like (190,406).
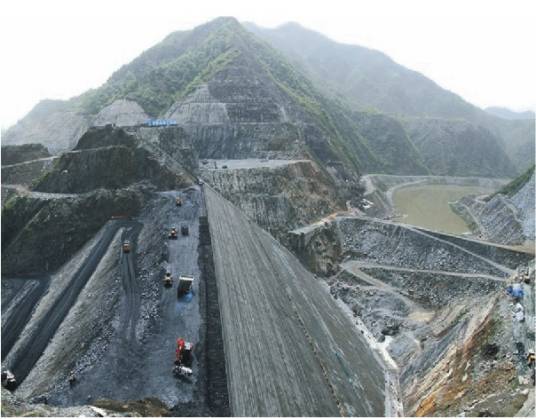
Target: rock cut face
(112,158)
(121,113)
(524,201)
(238,114)
(199,108)
(51,123)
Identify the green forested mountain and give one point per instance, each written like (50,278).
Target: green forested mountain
(239,96)
(368,79)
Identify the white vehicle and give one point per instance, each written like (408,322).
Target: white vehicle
(185,285)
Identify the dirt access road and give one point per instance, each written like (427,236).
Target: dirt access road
(139,358)
(27,356)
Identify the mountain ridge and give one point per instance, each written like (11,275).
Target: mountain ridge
(370,79)
(219,77)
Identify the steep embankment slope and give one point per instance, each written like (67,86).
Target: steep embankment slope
(289,350)
(506,217)
(21,165)
(111,173)
(19,154)
(436,304)
(278,198)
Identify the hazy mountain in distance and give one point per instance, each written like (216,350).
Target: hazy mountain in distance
(506,113)
(369,79)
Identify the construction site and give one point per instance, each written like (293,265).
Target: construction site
(181,301)
(245,245)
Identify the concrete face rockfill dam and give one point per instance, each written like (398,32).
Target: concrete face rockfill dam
(221,229)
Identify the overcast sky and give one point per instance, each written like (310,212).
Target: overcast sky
(480,49)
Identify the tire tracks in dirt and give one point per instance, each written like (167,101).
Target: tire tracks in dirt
(46,327)
(21,312)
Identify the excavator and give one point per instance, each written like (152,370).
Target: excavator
(183,358)
(8,380)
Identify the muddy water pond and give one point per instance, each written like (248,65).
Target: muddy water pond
(428,206)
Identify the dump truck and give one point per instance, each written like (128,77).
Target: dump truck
(126,246)
(173,233)
(183,358)
(168,281)
(185,230)
(185,285)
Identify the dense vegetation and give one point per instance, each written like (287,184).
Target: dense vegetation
(514,186)
(368,79)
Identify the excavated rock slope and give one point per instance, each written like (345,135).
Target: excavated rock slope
(59,125)
(503,219)
(121,113)
(117,163)
(110,173)
(279,198)
(51,122)
(21,153)
(289,350)
(435,303)
(26,173)
(22,165)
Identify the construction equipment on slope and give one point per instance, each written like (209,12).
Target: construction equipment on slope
(173,234)
(183,358)
(126,246)
(168,281)
(8,380)
(72,379)
(178,201)
(185,285)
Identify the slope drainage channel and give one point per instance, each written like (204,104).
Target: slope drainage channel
(217,395)
(130,285)
(20,310)
(48,325)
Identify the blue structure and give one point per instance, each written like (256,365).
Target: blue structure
(160,123)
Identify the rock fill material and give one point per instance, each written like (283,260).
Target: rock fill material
(289,350)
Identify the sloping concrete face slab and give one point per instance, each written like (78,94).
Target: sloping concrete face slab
(290,350)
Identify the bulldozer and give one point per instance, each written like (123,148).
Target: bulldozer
(183,358)
(173,234)
(168,281)
(126,246)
